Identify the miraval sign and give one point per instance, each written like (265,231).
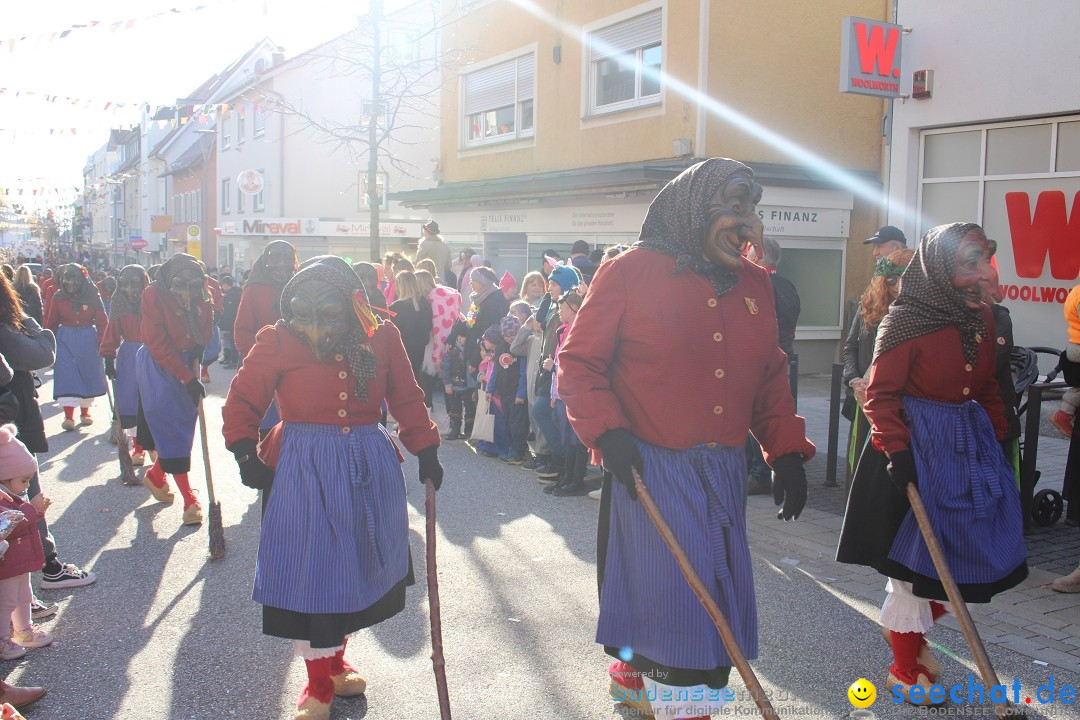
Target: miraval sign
(870,57)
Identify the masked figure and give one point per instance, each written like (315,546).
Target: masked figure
(123,338)
(668,383)
(78,318)
(935,412)
(176,318)
(334,550)
(106,287)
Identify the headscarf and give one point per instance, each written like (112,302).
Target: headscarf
(171,268)
(87,294)
(260,271)
(677,220)
(928,301)
(121,305)
(486,277)
(337,273)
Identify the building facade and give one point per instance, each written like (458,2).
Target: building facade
(562,122)
(996,143)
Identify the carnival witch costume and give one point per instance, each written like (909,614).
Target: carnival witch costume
(935,413)
(706,330)
(334,550)
(121,344)
(75,313)
(176,318)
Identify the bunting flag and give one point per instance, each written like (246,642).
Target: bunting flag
(178,110)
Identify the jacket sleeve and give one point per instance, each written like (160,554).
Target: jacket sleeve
(112,339)
(851,350)
(884,399)
(520,346)
(101,322)
(33,349)
(523,379)
(244,329)
(444,369)
(252,389)
(6,374)
(155,337)
(587,356)
(404,397)
(988,394)
(52,316)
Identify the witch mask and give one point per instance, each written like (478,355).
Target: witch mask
(733,223)
(321,316)
(187,286)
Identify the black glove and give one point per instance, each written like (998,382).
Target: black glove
(110,368)
(197,353)
(621,457)
(902,469)
(430,467)
(254,473)
(195,390)
(789,486)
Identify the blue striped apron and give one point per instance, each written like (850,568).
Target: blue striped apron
(79,371)
(646,604)
(335,537)
(969,492)
(168,408)
(127,387)
(213,348)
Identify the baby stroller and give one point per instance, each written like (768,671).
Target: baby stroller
(1046,505)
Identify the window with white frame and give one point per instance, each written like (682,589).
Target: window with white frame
(498,102)
(624,64)
(259,203)
(240,126)
(240,199)
(226,196)
(226,136)
(258,122)
(380,191)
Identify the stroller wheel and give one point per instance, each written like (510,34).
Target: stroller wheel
(1046,507)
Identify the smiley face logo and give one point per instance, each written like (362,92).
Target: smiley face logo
(862,693)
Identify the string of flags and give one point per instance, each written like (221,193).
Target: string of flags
(110,26)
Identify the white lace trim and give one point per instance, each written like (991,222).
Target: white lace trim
(304,650)
(903,612)
(674,703)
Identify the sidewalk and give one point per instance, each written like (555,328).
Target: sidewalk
(1030,619)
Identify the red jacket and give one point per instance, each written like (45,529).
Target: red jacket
(309,391)
(256,311)
(24,553)
(217,297)
(165,333)
(126,327)
(663,356)
(62,312)
(932,367)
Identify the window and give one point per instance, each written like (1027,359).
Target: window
(258,122)
(226,138)
(259,202)
(226,196)
(240,126)
(380,189)
(498,102)
(624,64)
(382,117)
(239,199)
(198,205)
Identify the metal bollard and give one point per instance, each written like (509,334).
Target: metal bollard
(835,400)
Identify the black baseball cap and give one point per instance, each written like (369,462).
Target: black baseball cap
(886,233)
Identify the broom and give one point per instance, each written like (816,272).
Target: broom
(127,471)
(717,615)
(959,608)
(434,609)
(217,532)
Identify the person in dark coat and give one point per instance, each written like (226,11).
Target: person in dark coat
(230,304)
(487,306)
(412,316)
(29,294)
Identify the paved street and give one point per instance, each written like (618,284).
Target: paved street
(166,633)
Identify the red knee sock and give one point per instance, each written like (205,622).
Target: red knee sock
(84,411)
(185,489)
(155,474)
(905,648)
(338,664)
(136,448)
(319,684)
(937,609)
(69,413)
(625,675)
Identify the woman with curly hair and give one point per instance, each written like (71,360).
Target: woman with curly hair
(884,287)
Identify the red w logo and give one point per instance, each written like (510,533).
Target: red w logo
(876,51)
(1051,232)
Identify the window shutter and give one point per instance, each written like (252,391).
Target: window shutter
(526,72)
(490,88)
(628,35)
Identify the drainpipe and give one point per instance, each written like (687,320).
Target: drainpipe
(703,77)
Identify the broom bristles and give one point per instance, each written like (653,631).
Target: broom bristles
(217,532)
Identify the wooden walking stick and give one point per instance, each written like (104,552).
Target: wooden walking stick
(959,608)
(217,532)
(127,470)
(438,662)
(717,615)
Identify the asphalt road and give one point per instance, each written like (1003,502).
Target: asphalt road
(167,633)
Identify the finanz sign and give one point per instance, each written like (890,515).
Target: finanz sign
(870,57)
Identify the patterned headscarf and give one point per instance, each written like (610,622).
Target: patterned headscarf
(928,301)
(678,220)
(121,305)
(338,274)
(87,294)
(163,280)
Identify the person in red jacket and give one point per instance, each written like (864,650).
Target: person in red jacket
(24,553)
(672,359)
(176,319)
(936,420)
(78,318)
(334,548)
(123,338)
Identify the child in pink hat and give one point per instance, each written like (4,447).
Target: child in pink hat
(508,285)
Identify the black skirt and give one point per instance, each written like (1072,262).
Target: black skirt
(875,510)
(329,630)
